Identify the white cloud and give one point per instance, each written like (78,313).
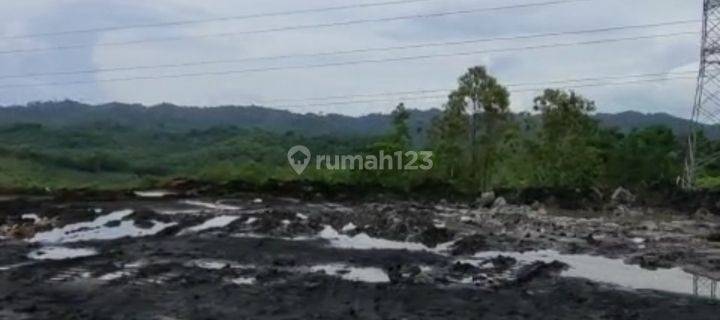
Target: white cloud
(632,57)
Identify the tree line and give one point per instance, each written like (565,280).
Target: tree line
(480,145)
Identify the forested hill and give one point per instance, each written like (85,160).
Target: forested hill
(177,118)
(631,119)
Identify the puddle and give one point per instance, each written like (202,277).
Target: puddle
(243,281)
(606,270)
(346,272)
(14,266)
(349,227)
(215,264)
(107,227)
(114,275)
(170,211)
(209,264)
(363,241)
(217,222)
(60,253)
(364,274)
(153,193)
(211,205)
(360,241)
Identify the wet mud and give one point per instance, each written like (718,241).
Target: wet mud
(250,256)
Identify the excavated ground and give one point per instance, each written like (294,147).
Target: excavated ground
(263,257)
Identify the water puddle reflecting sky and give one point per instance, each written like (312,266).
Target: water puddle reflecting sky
(214,223)
(605,270)
(361,274)
(60,253)
(106,227)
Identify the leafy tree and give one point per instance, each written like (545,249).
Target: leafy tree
(449,138)
(565,154)
(401,134)
(646,157)
(489,102)
(512,171)
(481,99)
(397,140)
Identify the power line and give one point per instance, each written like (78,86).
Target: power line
(426,91)
(298,27)
(219,19)
(351,51)
(347,63)
(398,99)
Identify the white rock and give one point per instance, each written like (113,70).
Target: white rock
(31,216)
(499,202)
(486,199)
(349,227)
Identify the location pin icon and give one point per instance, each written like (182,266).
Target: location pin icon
(299,158)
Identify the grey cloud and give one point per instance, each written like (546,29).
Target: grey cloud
(646,56)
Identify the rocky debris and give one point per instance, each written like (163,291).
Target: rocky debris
(536,206)
(466,219)
(144,224)
(702,214)
(282,223)
(460,269)
(596,237)
(433,236)
(658,260)
(714,237)
(622,196)
(624,211)
(499,203)
(18,231)
(267,267)
(486,200)
(648,225)
(540,269)
(512,209)
(408,274)
(502,262)
(469,245)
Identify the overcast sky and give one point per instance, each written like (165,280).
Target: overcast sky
(658,55)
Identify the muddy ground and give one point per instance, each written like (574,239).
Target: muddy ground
(256,256)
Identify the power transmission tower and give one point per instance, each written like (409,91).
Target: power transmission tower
(706,108)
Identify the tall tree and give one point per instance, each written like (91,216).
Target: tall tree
(489,102)
(400,117)
(566,154)
(449,138)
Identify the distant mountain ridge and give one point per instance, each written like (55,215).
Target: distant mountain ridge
(172,117)
(629,120)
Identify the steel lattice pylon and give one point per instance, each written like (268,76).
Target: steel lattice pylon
(706,109)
